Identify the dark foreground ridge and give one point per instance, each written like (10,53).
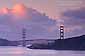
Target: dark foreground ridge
(74,43)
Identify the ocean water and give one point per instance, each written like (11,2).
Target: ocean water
(23,51)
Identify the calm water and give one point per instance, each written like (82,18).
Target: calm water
(20,51)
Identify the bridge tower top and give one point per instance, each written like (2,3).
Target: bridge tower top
(61,31)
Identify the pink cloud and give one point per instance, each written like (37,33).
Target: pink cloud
(4,11)
(19,9)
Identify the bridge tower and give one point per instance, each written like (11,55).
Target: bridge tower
(24,37)
(61,31)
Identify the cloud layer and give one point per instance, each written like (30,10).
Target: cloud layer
(74,20)
(37,25)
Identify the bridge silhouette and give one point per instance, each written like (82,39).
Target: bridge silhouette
(24,36)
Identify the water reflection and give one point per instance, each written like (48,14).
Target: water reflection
(21,51)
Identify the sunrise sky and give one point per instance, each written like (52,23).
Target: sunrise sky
(41,18)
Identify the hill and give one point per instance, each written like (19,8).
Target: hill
(4,42)
(74,43)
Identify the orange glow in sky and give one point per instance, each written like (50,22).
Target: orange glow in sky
(19,9)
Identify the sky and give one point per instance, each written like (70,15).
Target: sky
(41,18)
